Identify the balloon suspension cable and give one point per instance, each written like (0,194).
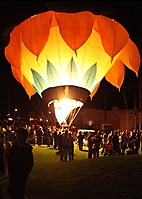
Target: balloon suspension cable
(38,110)
(74,117)
(79,116)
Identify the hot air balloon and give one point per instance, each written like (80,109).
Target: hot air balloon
(64,56)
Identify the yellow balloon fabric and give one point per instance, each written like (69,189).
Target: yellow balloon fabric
(54,49)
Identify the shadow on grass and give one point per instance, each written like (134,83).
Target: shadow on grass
(84,150)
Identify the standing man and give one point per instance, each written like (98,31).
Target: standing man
(20,164)
(115,142)
(39,134)
(65,141)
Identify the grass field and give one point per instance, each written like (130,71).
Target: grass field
(110,177)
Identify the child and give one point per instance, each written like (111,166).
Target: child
(20,163)
(7,148)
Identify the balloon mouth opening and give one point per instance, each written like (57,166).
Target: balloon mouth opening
(66,110)
(65,102)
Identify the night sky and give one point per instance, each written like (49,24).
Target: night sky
(128,14)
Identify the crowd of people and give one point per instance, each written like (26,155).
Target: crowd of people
(113,143)
(16,147)
(63,139)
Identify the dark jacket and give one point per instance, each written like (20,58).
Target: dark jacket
(20,160)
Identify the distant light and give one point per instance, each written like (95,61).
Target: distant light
(31,119)
(10,119)
(15,110)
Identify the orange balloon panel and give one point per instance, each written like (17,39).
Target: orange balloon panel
(21,79)
(130,56)
(116,74)
(113,36)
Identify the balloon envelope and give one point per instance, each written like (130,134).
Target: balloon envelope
(66,55)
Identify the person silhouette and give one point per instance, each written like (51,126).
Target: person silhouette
(20,163)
